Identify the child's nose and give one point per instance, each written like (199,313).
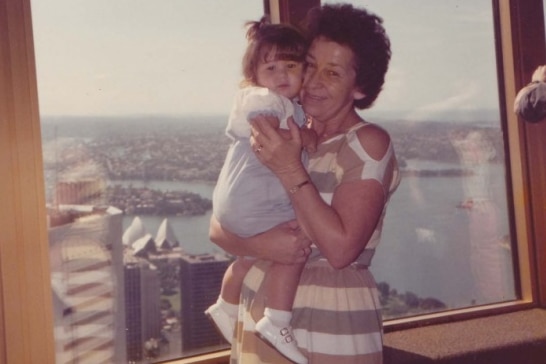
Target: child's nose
(283,72)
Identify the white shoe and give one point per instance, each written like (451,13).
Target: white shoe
(281,338)
(223,321)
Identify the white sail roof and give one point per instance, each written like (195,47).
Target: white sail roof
(144,245)
(134,232)
(165,238)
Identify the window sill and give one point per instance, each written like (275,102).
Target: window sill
(517,337)
(219,357)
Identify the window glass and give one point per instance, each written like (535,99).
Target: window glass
(134,98)
(446,240)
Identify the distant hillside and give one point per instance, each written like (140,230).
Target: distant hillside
(435,141)
(487,116)
(91,126)
(193,148)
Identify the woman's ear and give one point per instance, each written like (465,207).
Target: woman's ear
(358,95)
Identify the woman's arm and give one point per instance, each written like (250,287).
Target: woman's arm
(285,243)
(340,230)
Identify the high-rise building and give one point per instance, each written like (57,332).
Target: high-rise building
(142,307)
(145,274)
(88,191)
(200,281)
(85,246)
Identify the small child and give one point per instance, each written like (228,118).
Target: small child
(248,198)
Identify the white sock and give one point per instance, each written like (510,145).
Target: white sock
(278,317)
(230,308)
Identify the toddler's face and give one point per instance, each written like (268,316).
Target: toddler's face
(282,76)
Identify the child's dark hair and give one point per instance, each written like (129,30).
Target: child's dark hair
(268,42)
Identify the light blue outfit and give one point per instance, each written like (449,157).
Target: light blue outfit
(248,198)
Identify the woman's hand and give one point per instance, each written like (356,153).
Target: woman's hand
(285,243)
(277,149)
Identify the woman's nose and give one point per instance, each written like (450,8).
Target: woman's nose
(311,79)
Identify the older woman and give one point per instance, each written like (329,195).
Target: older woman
(340,200)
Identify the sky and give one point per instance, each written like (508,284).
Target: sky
(183,57)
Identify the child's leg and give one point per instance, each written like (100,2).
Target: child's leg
(233,280)
(279,286)
(224,311)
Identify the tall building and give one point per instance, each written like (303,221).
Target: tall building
(88,191)
(200,281)
(85,244)
(143,288)
(142,311)
(81,181)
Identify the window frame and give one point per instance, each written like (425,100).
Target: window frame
(26,322)
(524,48)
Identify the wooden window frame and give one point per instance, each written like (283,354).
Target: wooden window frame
(26,322)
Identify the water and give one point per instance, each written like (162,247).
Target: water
(191,231)
(426,243)
(426,240)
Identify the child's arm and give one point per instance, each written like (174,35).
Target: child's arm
(251,102)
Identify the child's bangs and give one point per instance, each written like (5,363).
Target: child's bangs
(271,53)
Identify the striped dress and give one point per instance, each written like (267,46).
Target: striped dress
(336,313)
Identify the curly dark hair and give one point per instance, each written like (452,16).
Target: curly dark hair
(364,34)
(282,41)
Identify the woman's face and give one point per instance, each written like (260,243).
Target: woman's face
(329,87)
